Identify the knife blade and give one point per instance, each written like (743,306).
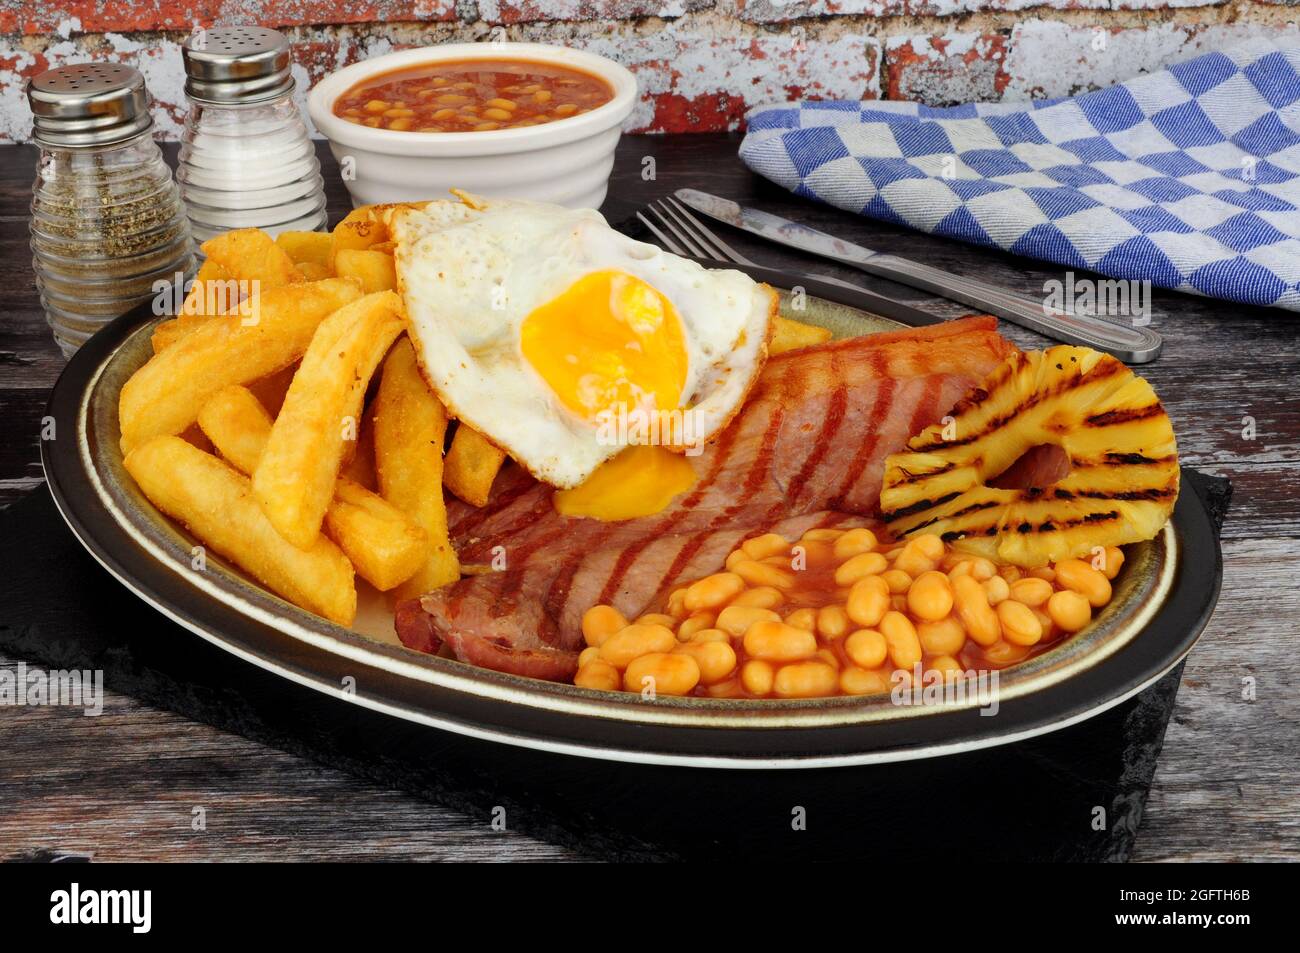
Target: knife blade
(775,228)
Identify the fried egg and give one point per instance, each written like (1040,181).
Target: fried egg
(564,342)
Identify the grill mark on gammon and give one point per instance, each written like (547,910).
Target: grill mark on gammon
(722,451)
(755,478)
(887,388)
(831,423)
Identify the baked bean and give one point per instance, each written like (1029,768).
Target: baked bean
(1019,624)
(757,677)
(930,597)
(509,105)
(917,556)
(868,601)
(600,622)
(1069,610)
(713,592)
(832,622)
(859,567)
(657,618)
(779,642)
(696,623)
(1031,591)
(759,574)
(823,535)
(859,681)
(897,581)
(867,648)
(941,637)
(542,96)
(805,680)
(769,544)
(947,666)
(1005,653)
(567,109)
(736,620)
(1113,562)
(716,660)
(1082,578)
(996,589)
(762,597)
(853,543)
(500,115)
(973,608)
(805,618)
(599,675)
(664,673)
(634,641)
(900,636)
(909,604)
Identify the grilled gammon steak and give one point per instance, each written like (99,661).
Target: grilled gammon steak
(1116,437)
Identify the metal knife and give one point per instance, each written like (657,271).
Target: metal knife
(1130,343)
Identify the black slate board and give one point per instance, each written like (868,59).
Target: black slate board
(62,610)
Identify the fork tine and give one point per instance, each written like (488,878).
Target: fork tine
(667,242)
(726,251)
(689,236)
(683,236)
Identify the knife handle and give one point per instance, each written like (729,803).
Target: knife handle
(1134,345)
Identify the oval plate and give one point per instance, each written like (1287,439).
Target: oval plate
(1163,599)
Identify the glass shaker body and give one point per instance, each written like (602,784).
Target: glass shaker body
(250,165)
(107,227)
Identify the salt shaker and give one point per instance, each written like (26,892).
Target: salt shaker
(246,159)
(107,221)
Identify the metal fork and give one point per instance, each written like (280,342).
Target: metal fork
(692,235)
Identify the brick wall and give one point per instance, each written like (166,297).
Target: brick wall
(700,63)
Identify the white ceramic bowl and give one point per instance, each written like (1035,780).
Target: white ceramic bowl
(566,162)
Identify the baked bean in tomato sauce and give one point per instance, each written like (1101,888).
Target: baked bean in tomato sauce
(472,96)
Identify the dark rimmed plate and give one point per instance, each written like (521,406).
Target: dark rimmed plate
(1164,597)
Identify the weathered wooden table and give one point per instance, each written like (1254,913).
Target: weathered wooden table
(122,786)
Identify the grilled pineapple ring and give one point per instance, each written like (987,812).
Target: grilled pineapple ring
(1123,478)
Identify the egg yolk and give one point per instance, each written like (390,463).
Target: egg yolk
(640,481)
(609,342)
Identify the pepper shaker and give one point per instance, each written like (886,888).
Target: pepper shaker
(107,221)
(246,160)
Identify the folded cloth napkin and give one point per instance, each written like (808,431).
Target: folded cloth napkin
(1188,178)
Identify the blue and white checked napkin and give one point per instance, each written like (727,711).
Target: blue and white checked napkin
(1188,178)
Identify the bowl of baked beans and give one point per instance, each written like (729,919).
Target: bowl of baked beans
(518,120)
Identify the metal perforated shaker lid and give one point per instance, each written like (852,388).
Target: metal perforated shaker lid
(88,104)
(236,64)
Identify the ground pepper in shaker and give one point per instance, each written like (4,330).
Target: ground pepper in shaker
(107,222)
(246,160)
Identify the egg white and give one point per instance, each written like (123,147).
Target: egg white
(471,272)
